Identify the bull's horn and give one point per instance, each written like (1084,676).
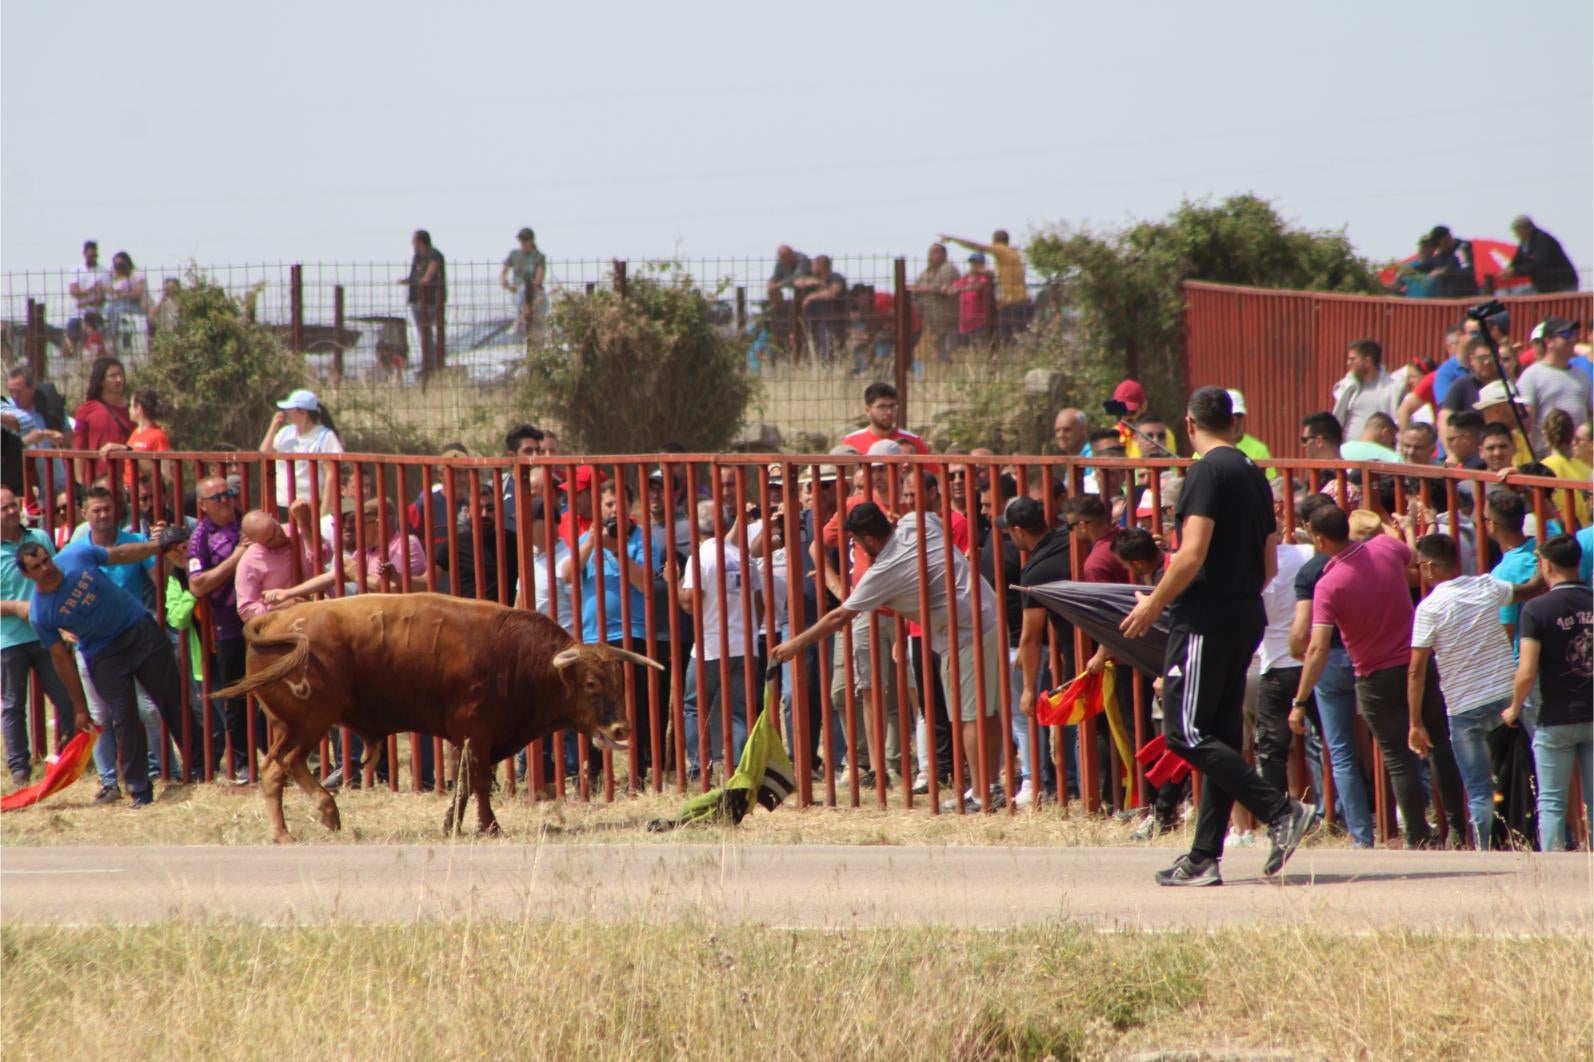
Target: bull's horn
(565,657)
(637,658)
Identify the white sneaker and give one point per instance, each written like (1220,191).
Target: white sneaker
(1026,795)
(1236,839)
(1146,828)
(921,784)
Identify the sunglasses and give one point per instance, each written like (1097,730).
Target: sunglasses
(1570,333)
(223,496)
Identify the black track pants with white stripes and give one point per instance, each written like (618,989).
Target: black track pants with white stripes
(1203,693)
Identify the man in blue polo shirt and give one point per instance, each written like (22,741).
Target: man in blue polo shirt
(20,652)
(121,642)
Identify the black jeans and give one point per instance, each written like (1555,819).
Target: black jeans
(227,667)
(140,654)
(16,662)
(1274,698)
(1203,696)
(1381,699)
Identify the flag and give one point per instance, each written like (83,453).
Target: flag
(67,768)
(765,775)
(1086,696)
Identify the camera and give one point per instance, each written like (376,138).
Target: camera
(1485,310)
(1115,408)
(611,526)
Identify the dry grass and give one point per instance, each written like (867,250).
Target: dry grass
(211,814)
(538,989)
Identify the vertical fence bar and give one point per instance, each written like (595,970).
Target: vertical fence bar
(296,306)
(337,333)
(903,308)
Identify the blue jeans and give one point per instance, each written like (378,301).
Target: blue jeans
(16,663)
(1557,751)
(1336,707)
(788,697)
(714,700)
(1469,733)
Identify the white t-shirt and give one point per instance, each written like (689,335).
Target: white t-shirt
(1460,621)
(892,581)
(296,482)
(702,570)
(539,584)
(1278,597)
(86,279)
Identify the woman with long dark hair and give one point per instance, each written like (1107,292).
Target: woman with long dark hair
(103,421)
(303,425)
(128,295)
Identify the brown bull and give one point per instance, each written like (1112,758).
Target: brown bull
(489,679)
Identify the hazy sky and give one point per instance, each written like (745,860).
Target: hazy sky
(289,131)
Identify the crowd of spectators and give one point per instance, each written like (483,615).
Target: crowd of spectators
(1447,267)
(1437,678)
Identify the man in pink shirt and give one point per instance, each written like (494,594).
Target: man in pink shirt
(269,563)
(1366,593)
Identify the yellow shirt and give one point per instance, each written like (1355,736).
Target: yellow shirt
(1009,275)
(1577,471)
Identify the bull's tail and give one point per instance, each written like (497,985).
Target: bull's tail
(298,654)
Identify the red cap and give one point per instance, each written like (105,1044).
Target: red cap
(582,481)
(1130,394)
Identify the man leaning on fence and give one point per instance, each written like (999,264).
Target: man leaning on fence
(892,581)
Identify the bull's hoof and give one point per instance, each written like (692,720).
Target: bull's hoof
(332,820)
(490,829)
(448,821)
(282,837)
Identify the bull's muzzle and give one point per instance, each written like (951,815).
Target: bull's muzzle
(616,737)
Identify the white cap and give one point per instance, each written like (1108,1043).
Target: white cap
(887,448)
(301,399)
(1237,400)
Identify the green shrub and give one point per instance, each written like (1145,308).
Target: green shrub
(626,375)
(221,373)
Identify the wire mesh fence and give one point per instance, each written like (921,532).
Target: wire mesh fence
(815,330)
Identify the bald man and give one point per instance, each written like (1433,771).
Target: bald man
(1070,432)
(272,561)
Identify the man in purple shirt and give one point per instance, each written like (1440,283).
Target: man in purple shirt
(214,551)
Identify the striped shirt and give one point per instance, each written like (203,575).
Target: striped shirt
(1460,622)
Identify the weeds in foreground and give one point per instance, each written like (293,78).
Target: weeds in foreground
(538,989)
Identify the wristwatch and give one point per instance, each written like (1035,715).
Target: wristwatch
(1298,703)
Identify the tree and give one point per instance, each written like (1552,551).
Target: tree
(221,373)
(1121,289)
(627,375)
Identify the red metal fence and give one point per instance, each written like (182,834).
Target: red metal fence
(1286,349)
(689,504)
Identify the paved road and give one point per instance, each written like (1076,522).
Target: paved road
(809,885)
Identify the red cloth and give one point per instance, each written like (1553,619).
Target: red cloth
(67,768)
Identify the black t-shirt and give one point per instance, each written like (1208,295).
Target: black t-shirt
(1012,600)
(436,291)
(1226,487)
(1560,622)
(1463,393)
(1048,563)
(1306,578)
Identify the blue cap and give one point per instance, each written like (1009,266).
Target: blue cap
(976,257)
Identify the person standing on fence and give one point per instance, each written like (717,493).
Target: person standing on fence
(103,422)
(974,291)
(1227,539)
(87,288)
(935,291)
(22,655)
(524,271)
(1557,658)
(428,284)
(302,425)
(1012,296)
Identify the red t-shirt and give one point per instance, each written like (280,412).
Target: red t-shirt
(99,423)
(974,291)
(862,439)
(1424,388)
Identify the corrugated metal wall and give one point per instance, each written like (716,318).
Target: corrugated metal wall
(1286,349)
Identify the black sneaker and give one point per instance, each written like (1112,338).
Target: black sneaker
(1188,870)
(1285,833)
(21,777)
(142,800)
(108,794)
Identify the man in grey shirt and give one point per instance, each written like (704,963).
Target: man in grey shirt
(892,581)
(1366,388)
(1550,382)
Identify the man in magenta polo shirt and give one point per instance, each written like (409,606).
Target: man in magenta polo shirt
(1364,592)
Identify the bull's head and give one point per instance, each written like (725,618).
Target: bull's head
(595,677)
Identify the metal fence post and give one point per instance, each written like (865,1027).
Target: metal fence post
(741,311)
(296,305)
(904,329)
(35,340)
(337,332)
(622,286)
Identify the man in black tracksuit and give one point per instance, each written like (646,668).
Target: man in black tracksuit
(1227,540)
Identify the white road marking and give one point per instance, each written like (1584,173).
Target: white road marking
(110,870)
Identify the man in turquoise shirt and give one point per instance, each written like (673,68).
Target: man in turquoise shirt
(20,651)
